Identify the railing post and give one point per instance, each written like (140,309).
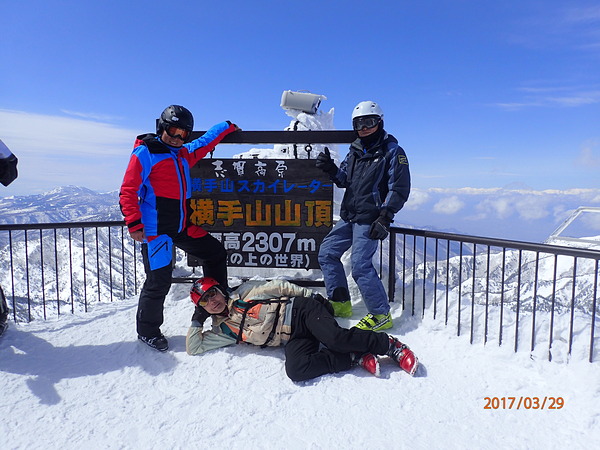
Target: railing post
(572,305)
(502,296)
(459,290)
(435,270)
(552,309)
(473,291)
(487,296)
(518,300)
(392,266)
(12,275)
(43,287)
(535,288)
(594,312)
(424,273)
(56,272)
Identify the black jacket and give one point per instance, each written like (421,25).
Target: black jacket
(8,169)
(376,179)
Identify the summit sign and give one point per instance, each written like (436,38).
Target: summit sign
(269,213)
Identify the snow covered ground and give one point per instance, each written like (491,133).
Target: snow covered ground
(84,381)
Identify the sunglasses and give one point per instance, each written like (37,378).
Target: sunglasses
(207,296)
(176,132)
(365,122)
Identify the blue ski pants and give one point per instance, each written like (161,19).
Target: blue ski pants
(343,236)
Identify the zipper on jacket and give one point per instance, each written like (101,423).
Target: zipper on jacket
(182,192)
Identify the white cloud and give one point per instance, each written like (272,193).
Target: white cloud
(520,213)
(583,15)
(536,98)
(416,199)
(501,207)
(57,151)
(465,191)
(587,156)
(559,212)
(66,136)
(91,116)
(448,205)
(570,27)
(592,221)
(531,208)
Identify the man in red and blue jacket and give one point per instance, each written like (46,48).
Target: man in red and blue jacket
(154,199)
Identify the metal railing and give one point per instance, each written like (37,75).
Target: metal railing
(56,266)
(536,292)
(496,289)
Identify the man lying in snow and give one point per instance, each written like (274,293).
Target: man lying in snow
(277,312)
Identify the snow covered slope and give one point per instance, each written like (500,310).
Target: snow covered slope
(84,381)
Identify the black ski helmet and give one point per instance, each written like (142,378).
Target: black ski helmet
(176,116)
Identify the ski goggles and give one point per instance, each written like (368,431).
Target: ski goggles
(365,122)
(176,132)
(207,296)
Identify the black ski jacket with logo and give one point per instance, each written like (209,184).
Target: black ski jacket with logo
(376,179)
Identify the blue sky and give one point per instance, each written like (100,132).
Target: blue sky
(481,94)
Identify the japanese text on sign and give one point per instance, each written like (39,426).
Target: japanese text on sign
(267,213)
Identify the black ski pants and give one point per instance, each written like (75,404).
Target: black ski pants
(318,345)
(213,259)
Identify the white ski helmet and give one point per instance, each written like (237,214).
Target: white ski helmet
(367,108)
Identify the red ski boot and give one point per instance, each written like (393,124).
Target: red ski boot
(403,355)
(370,363)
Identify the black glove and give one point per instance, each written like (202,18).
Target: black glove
(8,169)
(200,316)
(325,163)
(236,127)
(381,227)
(318,297)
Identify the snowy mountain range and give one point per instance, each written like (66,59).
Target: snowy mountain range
(64,204)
